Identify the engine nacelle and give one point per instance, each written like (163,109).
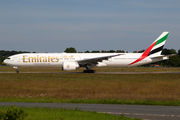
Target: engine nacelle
(67,66)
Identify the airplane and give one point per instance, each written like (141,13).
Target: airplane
(73,61)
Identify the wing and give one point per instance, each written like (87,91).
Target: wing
(94,61)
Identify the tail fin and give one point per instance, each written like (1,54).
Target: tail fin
(155,48)
(158,45)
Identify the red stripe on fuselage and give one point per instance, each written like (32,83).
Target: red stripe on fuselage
(145,54)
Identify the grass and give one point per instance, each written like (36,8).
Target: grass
(149,89)
(66,114)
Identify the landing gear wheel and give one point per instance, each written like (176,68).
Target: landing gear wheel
(92,71)
(89,71)
(17,71)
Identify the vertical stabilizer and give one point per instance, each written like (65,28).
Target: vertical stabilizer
(155,48)
(159,44)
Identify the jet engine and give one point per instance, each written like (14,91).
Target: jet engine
(67,66)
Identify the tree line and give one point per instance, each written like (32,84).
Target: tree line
(173,61)
(73,50)
(4,54)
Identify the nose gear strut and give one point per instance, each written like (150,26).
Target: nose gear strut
(17,71)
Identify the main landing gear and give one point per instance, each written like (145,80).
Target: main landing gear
(17,71)
(89,69)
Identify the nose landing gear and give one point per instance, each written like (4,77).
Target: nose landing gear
(17,71)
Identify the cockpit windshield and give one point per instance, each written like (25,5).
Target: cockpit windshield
(8,58)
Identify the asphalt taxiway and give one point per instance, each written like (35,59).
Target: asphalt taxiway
(103,72)
(146,112)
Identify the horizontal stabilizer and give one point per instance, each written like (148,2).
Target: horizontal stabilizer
(162,56)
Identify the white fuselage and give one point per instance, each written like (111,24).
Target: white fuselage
(57,59)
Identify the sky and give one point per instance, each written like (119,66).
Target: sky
(54,25)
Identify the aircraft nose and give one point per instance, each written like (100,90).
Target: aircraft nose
(5,61)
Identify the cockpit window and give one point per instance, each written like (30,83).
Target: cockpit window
(8,58)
